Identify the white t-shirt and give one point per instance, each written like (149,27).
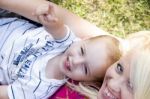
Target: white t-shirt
(24,53)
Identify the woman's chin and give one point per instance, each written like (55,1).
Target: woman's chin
(101,91)
(99,96)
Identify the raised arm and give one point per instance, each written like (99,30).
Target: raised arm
(22,7)
(45,13)
(79,26)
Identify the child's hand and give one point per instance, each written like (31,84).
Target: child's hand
(46,16)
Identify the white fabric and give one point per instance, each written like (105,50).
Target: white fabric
(24,52)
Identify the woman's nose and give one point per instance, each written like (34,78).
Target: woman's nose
(114,85)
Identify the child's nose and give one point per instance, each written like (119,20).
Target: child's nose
(77,61)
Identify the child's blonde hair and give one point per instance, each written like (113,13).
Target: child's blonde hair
(113,50)
(112,45)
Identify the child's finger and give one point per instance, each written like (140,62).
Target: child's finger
(51,9)
(42,19)
(51,13)
(51,18)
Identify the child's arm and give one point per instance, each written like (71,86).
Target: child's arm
(45,13)
(22,7)
(79,26)
(3,92)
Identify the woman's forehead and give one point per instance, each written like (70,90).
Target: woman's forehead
(127,59)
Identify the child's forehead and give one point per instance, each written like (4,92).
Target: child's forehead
(108,40)
(93,41)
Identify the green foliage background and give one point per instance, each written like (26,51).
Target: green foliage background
(119,17)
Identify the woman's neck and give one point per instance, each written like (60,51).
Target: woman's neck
(53,69)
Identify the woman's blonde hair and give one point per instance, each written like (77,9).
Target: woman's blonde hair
(140,74)
(86,89)
(140,64)
(135,40)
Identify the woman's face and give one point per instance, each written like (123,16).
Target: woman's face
(117,83)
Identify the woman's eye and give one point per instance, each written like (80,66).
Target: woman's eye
(119,68)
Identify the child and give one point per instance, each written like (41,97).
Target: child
(34,65)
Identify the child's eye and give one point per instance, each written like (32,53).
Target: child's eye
(82,51)
(119,68)
(85,70)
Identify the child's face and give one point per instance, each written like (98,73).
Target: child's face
(85,61)
(116,84)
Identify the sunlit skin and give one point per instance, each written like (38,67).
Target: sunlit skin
(84,61)
(117,83)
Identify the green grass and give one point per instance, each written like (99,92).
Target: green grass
(119,17)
